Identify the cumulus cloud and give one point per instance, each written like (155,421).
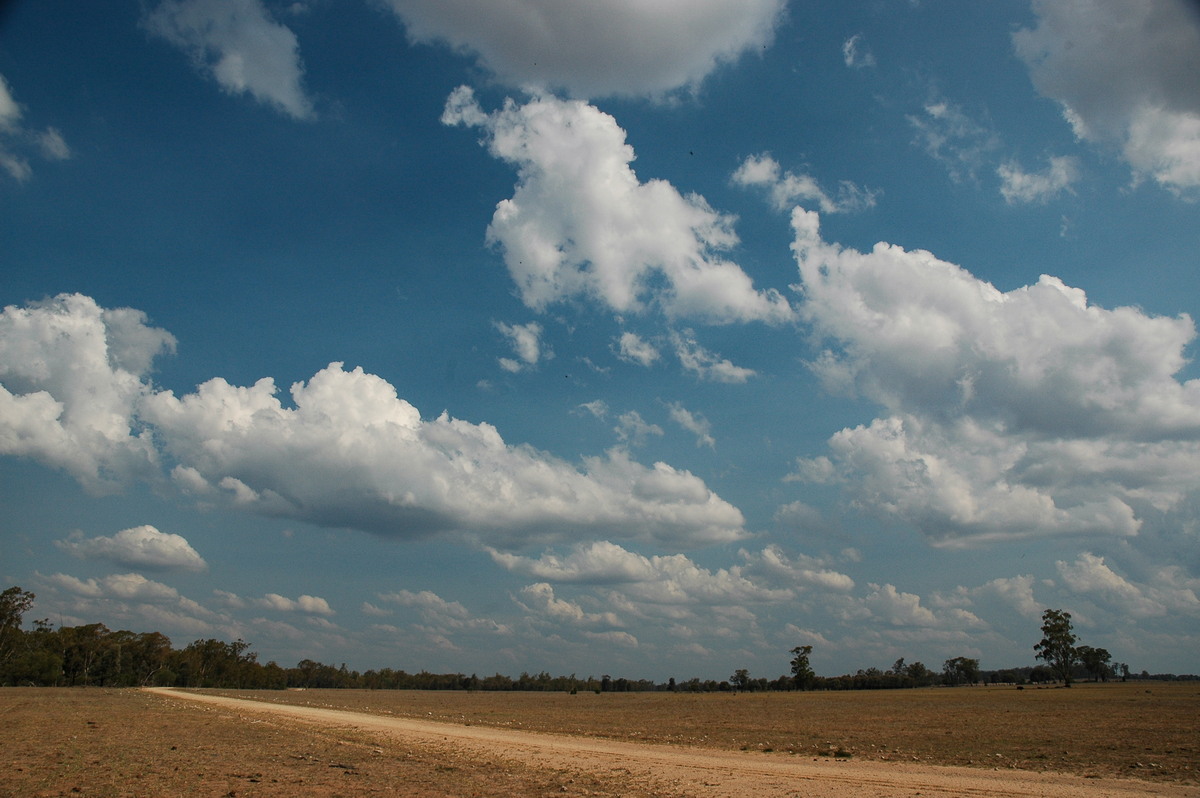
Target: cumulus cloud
(138,547)
(598,562)
(526,341)
(348,453)
(631,347)
(798,571)
(1017,185)
(671,580)
(1170,591)
(439,614)
(310,605)
(639,47)
(71,374)
(125,587)
(787,189)
(898,608)
(1015,591)
(1124,72)
(351,453)
(240,46)
(16,140)
(581,224)
(1010,414)
(540,599)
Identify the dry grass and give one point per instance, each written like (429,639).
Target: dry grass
(1144,730)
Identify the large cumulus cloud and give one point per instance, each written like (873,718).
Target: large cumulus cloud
(352,453)
(71,374)
(1124,72)
(627,47)
(1009,414)
(348,452)
(581,224)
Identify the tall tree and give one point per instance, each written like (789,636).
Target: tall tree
(802,672)
(1057,646)
(14,603)
(1095,661)
(961,670)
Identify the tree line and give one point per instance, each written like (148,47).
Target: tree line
(93,655)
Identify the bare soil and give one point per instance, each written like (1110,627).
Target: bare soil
(1145,730)
(136,743)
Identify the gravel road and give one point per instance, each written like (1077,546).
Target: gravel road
(658,769)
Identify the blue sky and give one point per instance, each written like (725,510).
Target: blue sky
(650,339)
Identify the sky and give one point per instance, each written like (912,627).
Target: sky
(650,339)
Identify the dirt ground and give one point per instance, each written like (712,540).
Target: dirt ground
(1150,731)
(135,743)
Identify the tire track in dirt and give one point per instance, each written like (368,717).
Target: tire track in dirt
(704,772)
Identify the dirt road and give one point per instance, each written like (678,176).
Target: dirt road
(656,769)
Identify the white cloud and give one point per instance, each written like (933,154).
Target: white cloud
(1017,185)
(1124,72)
(670,580)
(52,145)
(1009,414)
(787,189)
(855,54)
(526,341)
(954,138)
(310,605)
(1015,591)
(349,453)
(898,608)
(635,47)
(581,223)
(140,546)
(694,423)
(122,587)
(540,599)
(71,374)
(439,614)
(705,364)
(598,562)
(631,347)
(10,111)
(798,571)
(633,429)
(370,609)
(16,137)
(240,46)
(1170,592)
(598,408)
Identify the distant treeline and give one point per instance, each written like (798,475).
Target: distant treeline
(93,655)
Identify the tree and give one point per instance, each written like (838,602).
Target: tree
(740,680)
(961,670)
(1095,661)
(802,672)
(1057,647)
(920,674)
(14,603)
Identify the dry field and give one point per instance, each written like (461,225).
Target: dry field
(97,742)
(1144,730)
